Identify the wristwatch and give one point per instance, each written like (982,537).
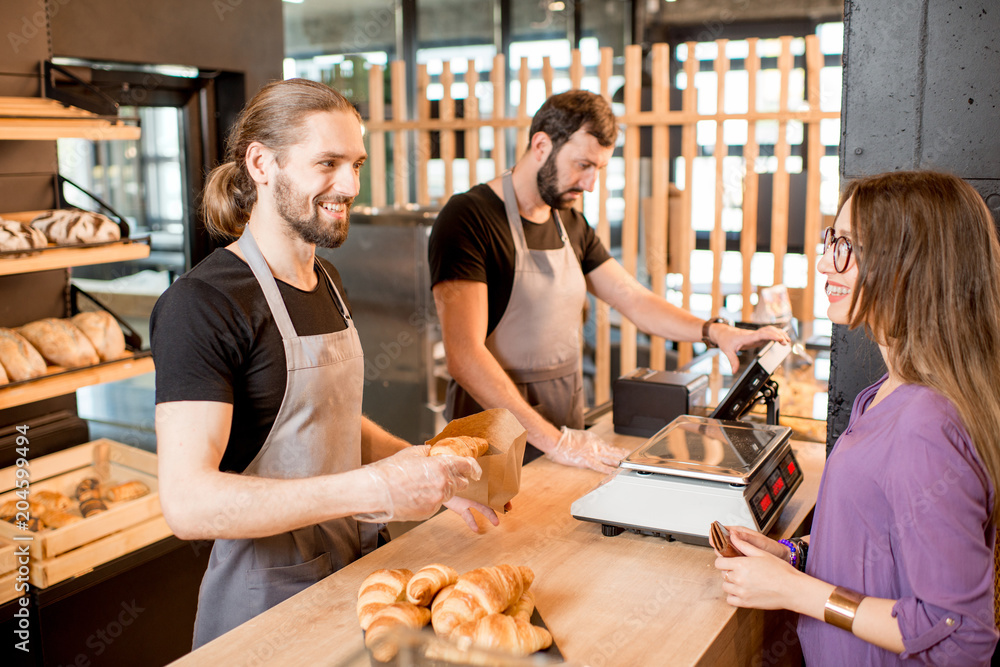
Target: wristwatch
(705,327)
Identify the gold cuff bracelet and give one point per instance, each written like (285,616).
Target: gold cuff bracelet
(841,607)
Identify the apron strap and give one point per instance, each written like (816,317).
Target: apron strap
(263,274)
(514,215)
(529,375)
(341,306)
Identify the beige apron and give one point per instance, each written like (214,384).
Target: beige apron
(317,432)
(537,341)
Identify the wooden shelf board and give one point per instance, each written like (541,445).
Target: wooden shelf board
(60,258)
(49,386)
(36,118)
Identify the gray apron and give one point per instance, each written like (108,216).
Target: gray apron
(537,341)
(317,432)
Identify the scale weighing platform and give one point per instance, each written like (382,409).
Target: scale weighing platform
(697,470)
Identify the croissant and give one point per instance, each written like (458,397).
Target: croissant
(440,598)
(507,633)
(459,607)
(495,588)
(523,607)
(52,500)
(460,445)
(380,588)
(397,614)
(429,580)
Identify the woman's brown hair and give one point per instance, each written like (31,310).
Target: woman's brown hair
(928,289)
(274,118)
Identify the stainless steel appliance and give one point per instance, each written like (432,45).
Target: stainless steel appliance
(383,265)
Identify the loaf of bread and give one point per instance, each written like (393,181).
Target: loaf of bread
(380,589)
(71,227)
(502,632)
(127,491)
(395,615)
(16,235)
(18,357)
(61,343)
(103,332)
(3,375)
(427,581)
(460,445)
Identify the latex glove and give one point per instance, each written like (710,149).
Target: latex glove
(413,485)
(463,507)
(583,449)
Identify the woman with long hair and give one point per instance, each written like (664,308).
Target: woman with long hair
(899,566)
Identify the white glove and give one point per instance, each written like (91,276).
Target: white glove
(413,484)
(584,449)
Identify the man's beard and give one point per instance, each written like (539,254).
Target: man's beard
(304,221)
(548,185)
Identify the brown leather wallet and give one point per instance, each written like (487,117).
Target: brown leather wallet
(718,537)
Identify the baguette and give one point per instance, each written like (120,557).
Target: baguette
(460,445)
(395,615)
(427,581)
(379,589)
(506,633)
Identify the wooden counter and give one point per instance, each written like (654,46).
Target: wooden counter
(625,600)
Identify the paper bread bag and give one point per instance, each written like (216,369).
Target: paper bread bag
(501,464)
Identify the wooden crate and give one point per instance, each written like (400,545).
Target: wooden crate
(8,571)
(60,553)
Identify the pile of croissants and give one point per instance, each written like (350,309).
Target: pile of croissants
(489,607)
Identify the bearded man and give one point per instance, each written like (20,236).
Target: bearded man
(511,264)
(259,372)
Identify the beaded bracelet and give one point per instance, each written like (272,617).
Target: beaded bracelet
(794,555)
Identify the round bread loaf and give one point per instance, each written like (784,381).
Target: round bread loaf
(61,343)
(69,227)
(103,332)
(16,235)
(19,358)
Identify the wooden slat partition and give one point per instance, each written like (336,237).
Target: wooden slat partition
(423,136)
(472,114)
(376,140)
(499,79)
(657,218)
(718,237)
(602,339)
(779,193)
(814,150)
(630,225)
(447,139)
(688,148)
(660,226)
(748,236)
(400,161)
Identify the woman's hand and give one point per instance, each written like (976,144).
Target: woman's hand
(761,541)
(760,579)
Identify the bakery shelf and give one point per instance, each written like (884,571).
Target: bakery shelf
(39,118)
(67,256)
(61,381)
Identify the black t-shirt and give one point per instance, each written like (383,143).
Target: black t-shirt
(214,339)
(471,240)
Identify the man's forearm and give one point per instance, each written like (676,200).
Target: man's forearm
(217,505)
(479,374)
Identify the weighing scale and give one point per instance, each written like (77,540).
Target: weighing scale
(697,470)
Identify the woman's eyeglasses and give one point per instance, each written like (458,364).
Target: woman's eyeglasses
(841,249)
